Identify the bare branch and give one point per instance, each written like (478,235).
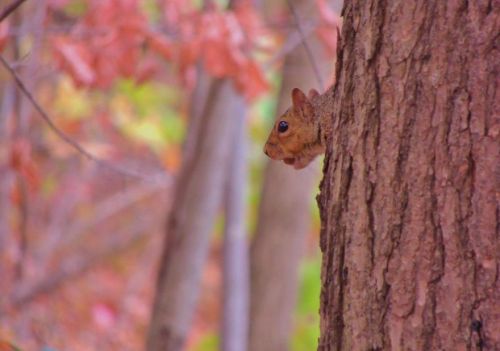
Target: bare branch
(306,46)
(10,8)
(76,266)
(103,210)
(291,43)
(65,137)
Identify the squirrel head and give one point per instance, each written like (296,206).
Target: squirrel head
(296,136)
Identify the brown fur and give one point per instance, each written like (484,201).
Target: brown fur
(306,135)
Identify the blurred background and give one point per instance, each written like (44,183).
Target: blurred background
(134,193)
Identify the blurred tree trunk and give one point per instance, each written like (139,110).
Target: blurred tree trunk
(284,218)
(235,262)
(197,199)
(15,128)
(409,202)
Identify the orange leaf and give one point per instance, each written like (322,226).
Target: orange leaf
(172,158)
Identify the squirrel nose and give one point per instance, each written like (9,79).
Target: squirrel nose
(265,151)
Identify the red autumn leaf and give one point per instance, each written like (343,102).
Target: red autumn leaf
(76,60)
(175,10)
(251,81)
(218,58)
(22,162)
(160,45)
(128,60)
(249,20)
(109,43)
(146,70)
(106,71)
(189,51)
(4,34)
(71,127)
(222,44)
(106,45)
(132,29)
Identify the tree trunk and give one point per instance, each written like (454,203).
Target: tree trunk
(284,219)
(197,199)
(410,199)
(235,296)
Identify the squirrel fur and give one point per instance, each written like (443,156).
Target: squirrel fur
(300,134)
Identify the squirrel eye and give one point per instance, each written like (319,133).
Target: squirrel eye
(282,126)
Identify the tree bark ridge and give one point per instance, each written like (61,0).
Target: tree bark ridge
(409,201)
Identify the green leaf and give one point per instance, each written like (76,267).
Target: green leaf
(209,342)
(306,332)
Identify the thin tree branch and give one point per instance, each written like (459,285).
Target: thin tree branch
(306,46)
(291,43)
(111,206)
(62,135)
(76,266)
(10,8)
(104,210)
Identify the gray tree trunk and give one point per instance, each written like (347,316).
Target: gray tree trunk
(197,199)
(284,217)
(235,261)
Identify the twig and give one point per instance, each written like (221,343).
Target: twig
(10,8)
(111,206)
(62,135)
(306,46)
(75,266)
(290,44)
(107,208)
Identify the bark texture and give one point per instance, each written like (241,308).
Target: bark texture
(410,199)
(284,220)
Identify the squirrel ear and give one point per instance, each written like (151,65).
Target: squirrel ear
(312,93)
(299,99)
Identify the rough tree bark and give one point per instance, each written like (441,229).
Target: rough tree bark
(284,217)
(410,199)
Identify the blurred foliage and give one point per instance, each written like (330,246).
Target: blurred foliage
(306,333)
(6,346)
(208,342)
(128,112)
(149,113)
(261,117)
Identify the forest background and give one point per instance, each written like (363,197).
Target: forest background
(96,101)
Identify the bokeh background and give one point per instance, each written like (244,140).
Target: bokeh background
(90,164)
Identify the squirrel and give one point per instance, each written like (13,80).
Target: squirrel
(299,135)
